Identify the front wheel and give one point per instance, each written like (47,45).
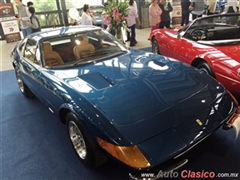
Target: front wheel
(87,151)
(155,48)
(22,86)
(205,67)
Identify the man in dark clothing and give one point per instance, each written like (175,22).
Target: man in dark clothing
(165,16)
(29,4)
(185,11)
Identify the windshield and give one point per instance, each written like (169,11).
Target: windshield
(219,20)
(81,48)
(216,27)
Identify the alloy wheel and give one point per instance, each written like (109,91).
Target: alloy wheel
(204,71)
(77,140)
(19,81)
(155,47)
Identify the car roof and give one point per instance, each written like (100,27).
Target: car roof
(41,36)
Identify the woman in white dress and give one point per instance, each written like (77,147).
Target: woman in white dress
(87,18)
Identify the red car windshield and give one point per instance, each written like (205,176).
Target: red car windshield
(214,28)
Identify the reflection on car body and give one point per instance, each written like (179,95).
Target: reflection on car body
(207,43)
(106,94)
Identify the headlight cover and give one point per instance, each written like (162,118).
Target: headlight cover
(129,155)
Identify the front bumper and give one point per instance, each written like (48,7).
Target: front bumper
(177,162)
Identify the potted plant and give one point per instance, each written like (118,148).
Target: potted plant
(115,14)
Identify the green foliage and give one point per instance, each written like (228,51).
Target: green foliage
(46,19)
(49,5)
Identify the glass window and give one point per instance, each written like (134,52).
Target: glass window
(80,4)
(76,48)
(38,56)
(30,51)
(41,6)
(51,19)
(22,45)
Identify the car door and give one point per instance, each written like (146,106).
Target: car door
(163,43)
(182,49)
(31,66)
(52,90)
(179,48)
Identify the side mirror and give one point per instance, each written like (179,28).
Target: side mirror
(180,35)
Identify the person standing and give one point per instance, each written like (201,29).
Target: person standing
(128,33)
(131,22)
(135,5)
(87,18)
(222,5)
(34,20)
(29,4)
(198,8)
(233,4)
(23,17)
(166,8)
(154,15)
(185,11)
(211,7)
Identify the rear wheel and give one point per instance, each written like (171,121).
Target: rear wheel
(86,149)
(205,67)
(155,48)
(22,86)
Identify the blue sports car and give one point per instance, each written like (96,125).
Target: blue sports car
(137,107)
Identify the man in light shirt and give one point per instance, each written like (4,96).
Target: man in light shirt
(135,5)
(131,22)
(233,3)
(23,17)
(211,4)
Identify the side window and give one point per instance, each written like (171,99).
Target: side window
(22,45)
(30,50)
(38,56)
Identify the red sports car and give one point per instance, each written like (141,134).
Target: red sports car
(210,43)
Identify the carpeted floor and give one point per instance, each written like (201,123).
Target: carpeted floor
(35,145)
(149,49)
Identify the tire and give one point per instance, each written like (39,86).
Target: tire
(205,67)
(87,151)
(155,48)
(22,86)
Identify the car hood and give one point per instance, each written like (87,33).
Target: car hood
(144,94)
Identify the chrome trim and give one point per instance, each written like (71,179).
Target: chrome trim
(231,108)
(50,110)
(132,176)
(191,146)
(173,168)
(183,162)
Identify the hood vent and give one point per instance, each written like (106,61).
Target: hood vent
(97,80)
